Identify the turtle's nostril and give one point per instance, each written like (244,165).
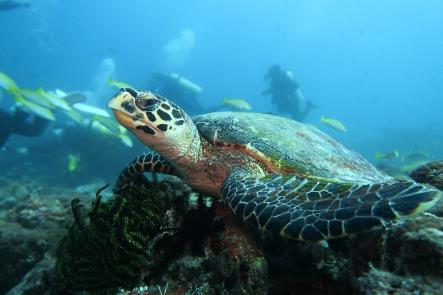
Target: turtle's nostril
(130,91)
(118,93)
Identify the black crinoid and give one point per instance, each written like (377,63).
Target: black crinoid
(105,249)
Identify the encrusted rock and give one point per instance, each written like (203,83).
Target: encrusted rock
(21,249)
(431,173)
(37,280)
(415,246)
(377,281)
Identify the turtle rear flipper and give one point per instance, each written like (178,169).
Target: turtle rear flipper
(313,210)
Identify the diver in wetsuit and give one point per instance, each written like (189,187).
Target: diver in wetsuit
(285,93)
(183,91)
(11,4)
(21,123)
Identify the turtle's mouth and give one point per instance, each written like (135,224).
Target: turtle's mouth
(123,119)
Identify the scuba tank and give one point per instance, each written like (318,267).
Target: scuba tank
(185,83)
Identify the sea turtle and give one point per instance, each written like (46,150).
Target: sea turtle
(278,174)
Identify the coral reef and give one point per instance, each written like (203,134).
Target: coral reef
(37,280)
(32,217)
(158,234)
(217,257)
(21,249)
(415,246)
(431,173)
(412,259)
(159,237)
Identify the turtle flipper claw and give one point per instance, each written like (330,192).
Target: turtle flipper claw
(315,210)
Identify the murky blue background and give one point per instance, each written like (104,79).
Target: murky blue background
(377,66)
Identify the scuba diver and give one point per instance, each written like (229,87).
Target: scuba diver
(286,94)
(11,4)
(184,91)
(21,123)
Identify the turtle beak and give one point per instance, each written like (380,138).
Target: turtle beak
(123,119)
(123,106)
(113,103)
(117,100)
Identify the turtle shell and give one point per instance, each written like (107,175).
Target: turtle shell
(296,147)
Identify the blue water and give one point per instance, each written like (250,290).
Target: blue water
(377,66)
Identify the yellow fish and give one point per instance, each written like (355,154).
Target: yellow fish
(417,156)
(75,116)
(236,103)
(118,84)
(86,108)
(96,125)
(73,161)
(333,123)
(108,127)
(7,83)
(406,169)
(388,156)
(35,108)
(125,139)
(109,124)
(70,98)
(54,99)
(37,97)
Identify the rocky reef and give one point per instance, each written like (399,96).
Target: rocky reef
(159,237)
(32,218)
(431,173)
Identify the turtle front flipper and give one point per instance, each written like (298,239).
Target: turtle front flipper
(312,210)
(148,162)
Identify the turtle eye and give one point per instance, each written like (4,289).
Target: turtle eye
(146,104)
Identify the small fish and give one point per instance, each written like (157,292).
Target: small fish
(406,169)
(37,97)
(22,151)
(75,116)
(98,126)
(35,108)
(59,92)
(86,108)
(73,161)
(108,127)
(54,99)
(110,124)
(58,131)
(121,129)
(7,83)
(118,84)
(70,98)
(388,156)
(75,97)
(236,103)
(126,140)
(417,156)
(333,123)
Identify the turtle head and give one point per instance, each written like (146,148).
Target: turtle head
(158,123)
